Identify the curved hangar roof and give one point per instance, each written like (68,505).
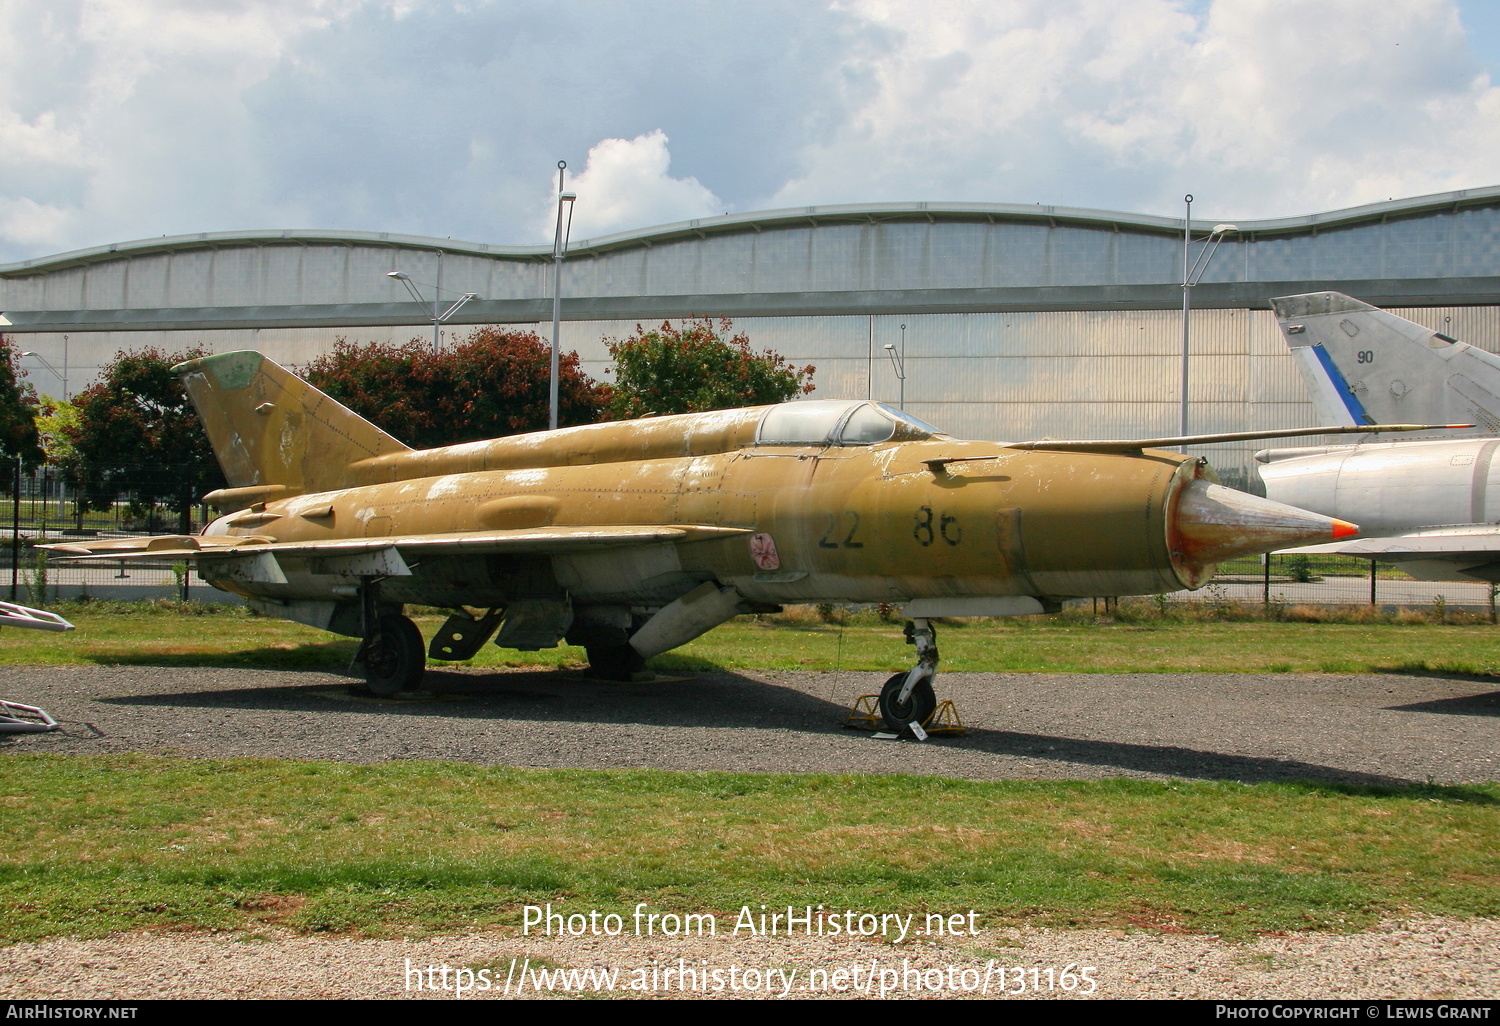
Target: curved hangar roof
(882,258)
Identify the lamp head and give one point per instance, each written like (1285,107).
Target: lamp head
(398,275)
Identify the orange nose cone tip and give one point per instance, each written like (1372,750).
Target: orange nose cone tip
(1214,523)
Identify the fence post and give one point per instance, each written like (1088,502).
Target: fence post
(1265,580)
(1372,582)
(15,530)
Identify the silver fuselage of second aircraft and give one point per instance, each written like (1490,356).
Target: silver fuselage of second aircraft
(1432,506)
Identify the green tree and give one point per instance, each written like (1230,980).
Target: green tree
(137,436)
(695,366)
(57,421)
(493,382)
(18,410)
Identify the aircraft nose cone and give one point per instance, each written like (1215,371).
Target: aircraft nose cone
(1215,523)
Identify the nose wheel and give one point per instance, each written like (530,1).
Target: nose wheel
(900,713)
(908,697)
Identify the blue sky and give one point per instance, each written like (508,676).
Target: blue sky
(125,119)
(1481,23)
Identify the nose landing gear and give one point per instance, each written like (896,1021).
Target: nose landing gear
(908,698)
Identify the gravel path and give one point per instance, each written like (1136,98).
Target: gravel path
(1370,728)
(1365,728)
(1430,959)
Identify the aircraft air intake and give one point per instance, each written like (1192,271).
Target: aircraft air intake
(1215,523)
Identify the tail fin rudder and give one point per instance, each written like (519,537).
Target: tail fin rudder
(1363,365)
(274,434)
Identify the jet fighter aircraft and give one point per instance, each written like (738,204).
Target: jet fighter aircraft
(1433,505)
(632,538)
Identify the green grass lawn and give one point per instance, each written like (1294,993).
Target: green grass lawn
(1040,646)
(136,634)
(94,845)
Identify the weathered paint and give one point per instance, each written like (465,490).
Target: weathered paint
(633,516)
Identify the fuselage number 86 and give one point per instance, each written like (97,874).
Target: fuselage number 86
(930,527)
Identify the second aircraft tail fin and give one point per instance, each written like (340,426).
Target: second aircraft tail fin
(1363,365)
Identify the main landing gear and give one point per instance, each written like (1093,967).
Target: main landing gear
(614,662)
(392,654)
(908,697)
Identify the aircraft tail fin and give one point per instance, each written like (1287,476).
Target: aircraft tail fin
(1363,365)
(274,434)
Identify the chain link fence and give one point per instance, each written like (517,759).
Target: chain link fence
(43,507)
(1286,580)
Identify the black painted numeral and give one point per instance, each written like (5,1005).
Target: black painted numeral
(849,542)
(828,542)
(929,528)
(954,536)
(923,532)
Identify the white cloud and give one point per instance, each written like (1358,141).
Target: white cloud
(626,185)
(40,140)
(30,223)
(124,119)
(118,117)
(136,118)
(1265,107)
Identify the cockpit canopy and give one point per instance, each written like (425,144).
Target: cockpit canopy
(839,422)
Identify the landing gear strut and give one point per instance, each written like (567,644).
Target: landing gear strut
(614,662)
(392,654)
(908,697)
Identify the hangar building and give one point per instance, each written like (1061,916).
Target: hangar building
(1015,321)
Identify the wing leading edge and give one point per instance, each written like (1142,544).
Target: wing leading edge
(1467,552)
(1455,544)
(540,540)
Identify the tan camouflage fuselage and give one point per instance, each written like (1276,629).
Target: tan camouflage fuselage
(852,523)
(633,538)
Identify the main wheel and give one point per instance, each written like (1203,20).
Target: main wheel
(396,658)
(614,662)
(918,706)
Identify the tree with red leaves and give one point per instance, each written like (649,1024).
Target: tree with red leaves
(137,435)
(18,410)
(492,383)
(697,366)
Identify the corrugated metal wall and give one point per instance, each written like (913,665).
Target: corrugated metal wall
(1005,376)
(888,256)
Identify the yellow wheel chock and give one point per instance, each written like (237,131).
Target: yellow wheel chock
(864,714)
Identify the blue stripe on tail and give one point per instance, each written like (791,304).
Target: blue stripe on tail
(1351,403)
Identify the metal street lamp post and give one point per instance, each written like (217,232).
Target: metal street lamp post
(559,250)
(61,375)
(900,365)
(439,316)
(1192,273)
(898,361)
